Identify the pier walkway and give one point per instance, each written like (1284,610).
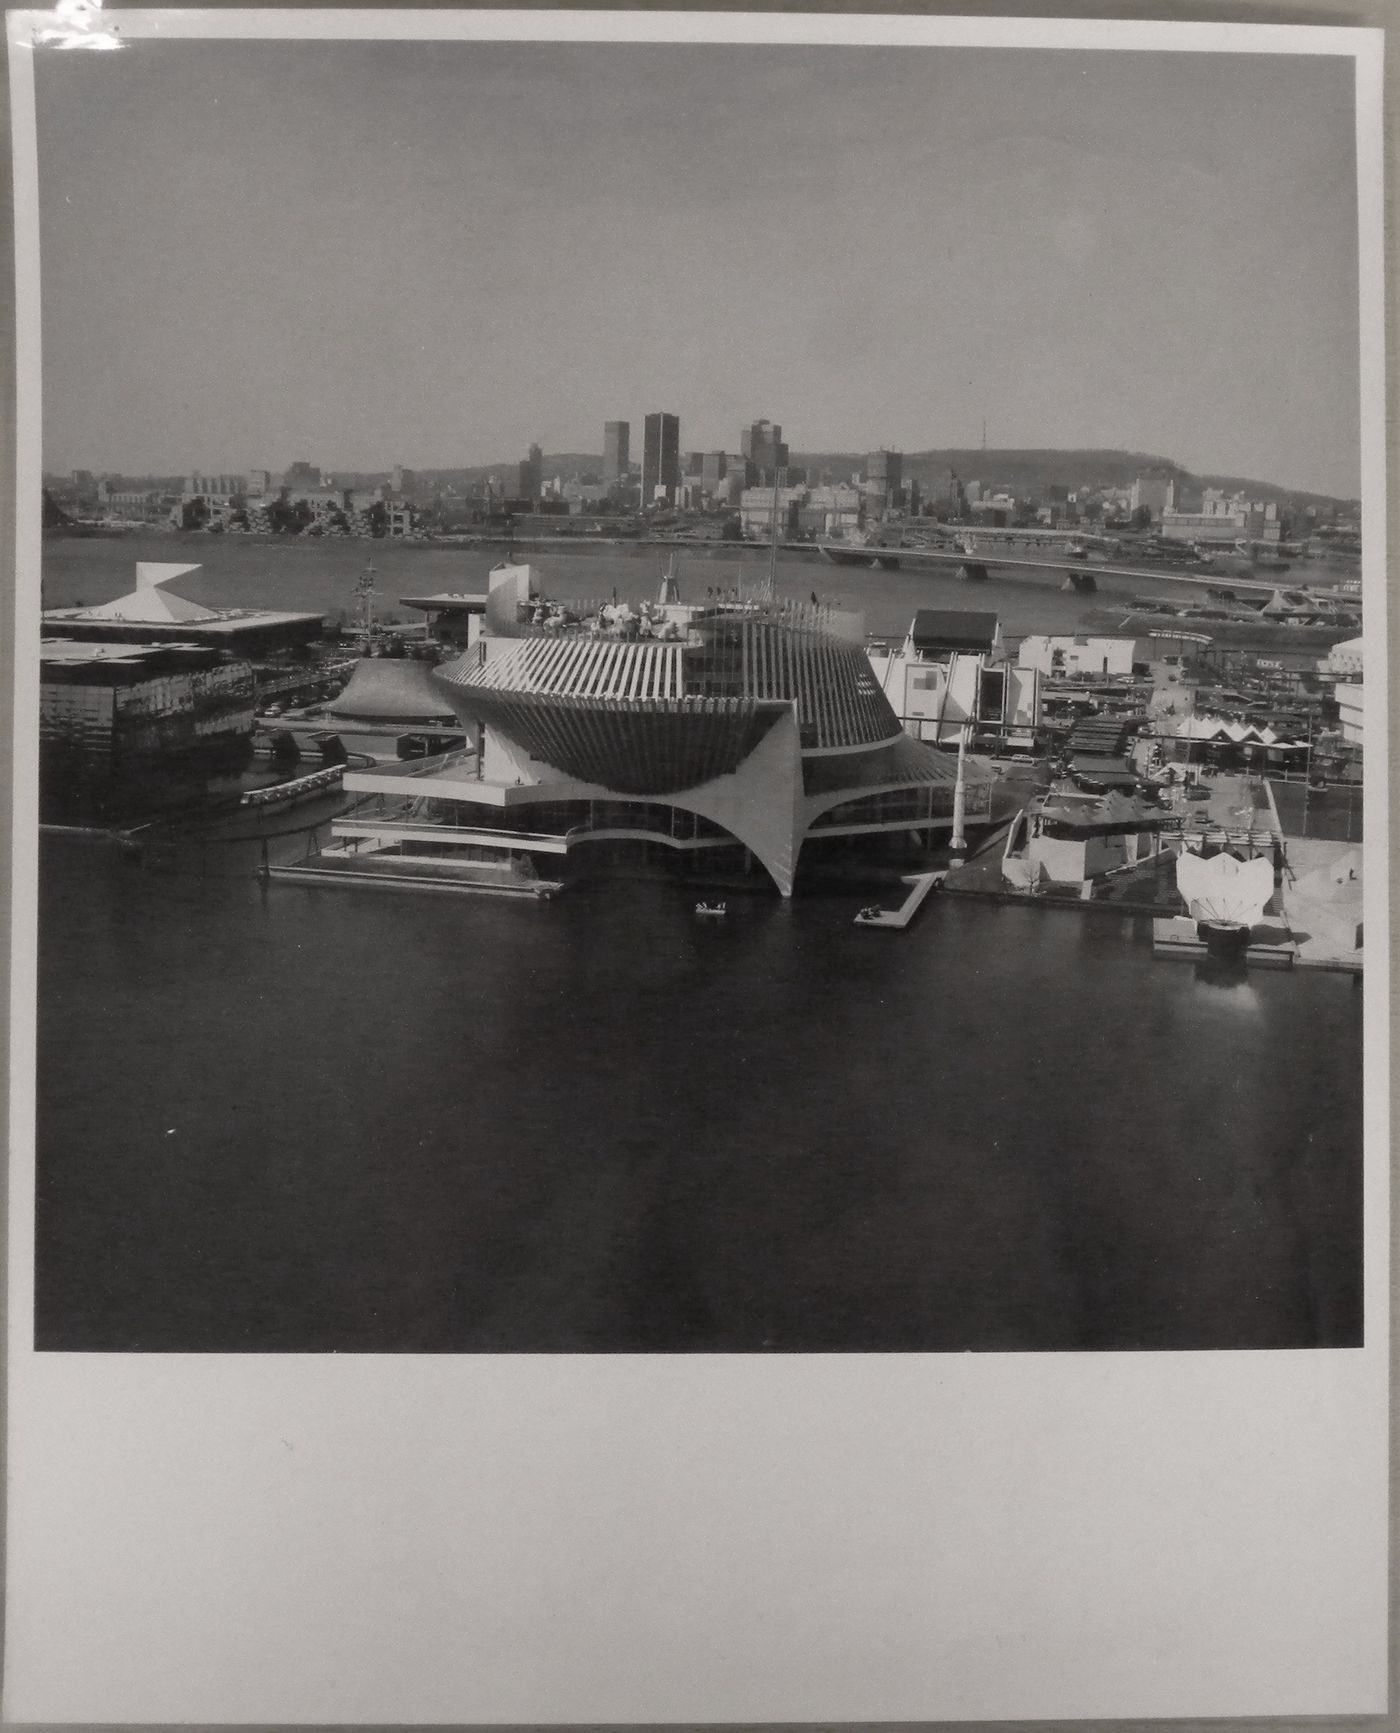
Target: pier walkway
(1271,943)
(920,886)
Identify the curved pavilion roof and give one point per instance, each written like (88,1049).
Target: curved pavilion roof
(645,713)
(391,689)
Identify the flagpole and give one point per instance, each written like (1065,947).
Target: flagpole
(958,844)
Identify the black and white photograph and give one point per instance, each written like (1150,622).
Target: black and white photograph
(699,699)
(864,856)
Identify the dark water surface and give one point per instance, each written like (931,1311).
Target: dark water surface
(302,1119)
(321,574)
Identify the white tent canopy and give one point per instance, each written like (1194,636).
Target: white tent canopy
(1223,888)
(1214,729)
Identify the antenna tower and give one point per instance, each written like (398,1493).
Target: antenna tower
(366,591)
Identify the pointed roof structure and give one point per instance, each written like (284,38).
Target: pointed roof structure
(151,614)
(148,603)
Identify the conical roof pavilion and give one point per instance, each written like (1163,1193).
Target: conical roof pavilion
(149,603)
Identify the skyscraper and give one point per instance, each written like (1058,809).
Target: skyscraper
(617,437)
(661,449)
(884,481)
(531,477)
(762,444)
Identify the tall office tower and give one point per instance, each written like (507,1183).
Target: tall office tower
(884,481)
(531,477)
(617,437)
(762,444)
(661,455)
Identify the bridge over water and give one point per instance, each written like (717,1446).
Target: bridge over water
(1084,573)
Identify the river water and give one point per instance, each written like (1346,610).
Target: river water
(321,574)
(289,1118)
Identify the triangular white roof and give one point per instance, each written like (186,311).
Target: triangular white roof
(1217,728)
(148,602)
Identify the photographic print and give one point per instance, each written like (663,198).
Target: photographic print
(698,697)
(699,1031)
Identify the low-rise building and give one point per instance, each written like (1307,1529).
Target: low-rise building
(1072,838)
(1225,518)
(830,510)
(135,505)
(949,682)
(1155,492)
(1057,656)
(756,510)
(1342,666)
(126,725)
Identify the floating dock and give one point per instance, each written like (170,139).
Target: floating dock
(920,885)
(1270,946)
(344,878)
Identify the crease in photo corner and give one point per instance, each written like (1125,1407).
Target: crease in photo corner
(78,24)
(1375,699)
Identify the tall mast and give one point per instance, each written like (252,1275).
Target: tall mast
(366,592)
(773,544)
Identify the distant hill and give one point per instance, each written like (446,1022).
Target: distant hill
(1033,471)
(1023,471)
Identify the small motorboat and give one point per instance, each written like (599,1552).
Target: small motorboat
(714,910)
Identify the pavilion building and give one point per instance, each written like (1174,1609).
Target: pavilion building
(153,614)
(751,728)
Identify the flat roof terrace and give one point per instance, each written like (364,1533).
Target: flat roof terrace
(231,628)
(448,602)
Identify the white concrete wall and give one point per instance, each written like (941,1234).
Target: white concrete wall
(1068,861)
(1351,712)
(1112,656)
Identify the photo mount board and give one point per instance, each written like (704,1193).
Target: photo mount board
(651,1539)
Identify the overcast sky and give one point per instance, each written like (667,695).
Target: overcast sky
(433,254)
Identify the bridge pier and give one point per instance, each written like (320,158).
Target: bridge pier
(1084,582)
(972,573)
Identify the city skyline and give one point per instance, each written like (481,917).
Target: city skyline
(353,249)
(498,470)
